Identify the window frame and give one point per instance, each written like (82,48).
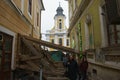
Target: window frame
(30,8)
(52,41)
(60,25)
(111,29)
(68,42)
(38,19)
(60,41)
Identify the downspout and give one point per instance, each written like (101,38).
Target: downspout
(80,39)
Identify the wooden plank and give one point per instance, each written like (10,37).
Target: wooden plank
(46,55)
(57,78)
(9,17)
(44,62)
(29,66)
(53,73)
(33,66)
(48,44)
(27,58)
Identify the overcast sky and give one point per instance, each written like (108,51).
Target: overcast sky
(47,19)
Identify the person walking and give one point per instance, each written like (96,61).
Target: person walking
(72,68)
(83,68)
(65,59)
(79,68)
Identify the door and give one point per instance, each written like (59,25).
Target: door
(5,56)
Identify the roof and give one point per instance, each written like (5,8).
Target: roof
(59,11)
(42,6)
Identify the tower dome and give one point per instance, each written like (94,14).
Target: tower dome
(59,11)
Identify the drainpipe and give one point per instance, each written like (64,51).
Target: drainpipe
(80,37)
(40,72)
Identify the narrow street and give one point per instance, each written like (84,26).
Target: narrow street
(86,47)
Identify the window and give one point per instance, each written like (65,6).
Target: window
(37,19)
(67,42)
(113,31)
(30,7)
(60,41)
(60,25)
(53,41)
(94,71)
(114,34)
(59,19)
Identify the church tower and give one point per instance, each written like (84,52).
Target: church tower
(58,34)
(60,19)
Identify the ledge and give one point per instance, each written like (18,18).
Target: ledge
(106,65)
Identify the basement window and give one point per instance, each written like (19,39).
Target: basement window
(94,71)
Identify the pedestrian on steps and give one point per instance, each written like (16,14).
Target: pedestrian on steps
(65,59)
(83,68)
(72,68)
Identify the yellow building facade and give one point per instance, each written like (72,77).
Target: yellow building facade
(90,31)
(58,34)
(32,11)
(16,16)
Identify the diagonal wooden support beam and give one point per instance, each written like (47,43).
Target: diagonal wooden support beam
(48,44)
(44,62)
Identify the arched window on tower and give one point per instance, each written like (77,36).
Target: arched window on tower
(60,25)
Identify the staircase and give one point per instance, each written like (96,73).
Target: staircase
(32,56)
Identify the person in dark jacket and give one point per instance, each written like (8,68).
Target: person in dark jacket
(65,60)
(72,68)
(83,68)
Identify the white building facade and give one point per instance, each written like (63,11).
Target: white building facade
(58,34)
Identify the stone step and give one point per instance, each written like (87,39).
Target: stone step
(57,78)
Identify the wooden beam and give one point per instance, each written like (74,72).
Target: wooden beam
(27,58)
(53,72)
(35,52)
(48,44)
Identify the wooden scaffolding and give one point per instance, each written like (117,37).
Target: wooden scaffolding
(32,57)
